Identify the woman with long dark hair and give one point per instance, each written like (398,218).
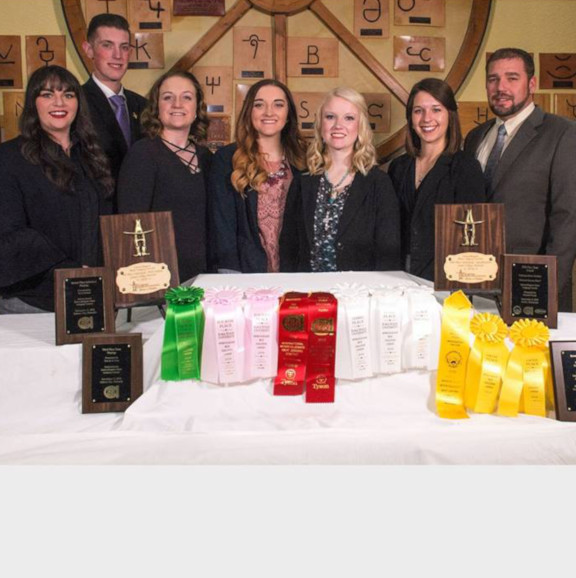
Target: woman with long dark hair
(55,182)
(433,171)
(167,171)
(249,180)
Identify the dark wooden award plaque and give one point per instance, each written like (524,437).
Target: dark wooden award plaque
(563,358)
(84,303)
(199,8)
(469,242)
(111,372)
(141,251)
(530,289)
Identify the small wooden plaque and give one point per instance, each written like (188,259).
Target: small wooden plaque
(564,104)
(94,7)
(141,251)
(473,114)
(313,57)
(45,51)
(219,132)
(84,303)
(557,70)
(563,358)
(10,62)
(371,19)
(469,242)
(199,8)
(252,53)
(379,107)
(151,16)
(216,82)
(147,51)
(13,106)
(419,53)
(111,372)
(530,289)
(307,104)
(419,12)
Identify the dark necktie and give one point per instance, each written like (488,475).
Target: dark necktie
(495,154)
(121,115)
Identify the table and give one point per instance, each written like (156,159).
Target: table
(383,420)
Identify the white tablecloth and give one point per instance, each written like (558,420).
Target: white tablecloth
(383,420)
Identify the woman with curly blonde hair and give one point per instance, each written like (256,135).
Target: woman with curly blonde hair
(343,214)
(249,180)
(168,170)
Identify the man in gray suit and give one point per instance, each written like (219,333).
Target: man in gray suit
(529,160)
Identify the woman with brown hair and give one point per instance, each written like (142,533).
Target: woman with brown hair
(433,171)
(249,180)
(167,171)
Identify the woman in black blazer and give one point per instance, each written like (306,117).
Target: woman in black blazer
(249,180)
(343,214)
(433,171)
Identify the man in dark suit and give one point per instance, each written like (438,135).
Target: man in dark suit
(115,111)
(529,159)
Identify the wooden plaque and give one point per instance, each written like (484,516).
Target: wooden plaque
(313,57)
(423,12)
(150,15)
(307,104)
(10,62)
(530,289)
(473,114)
(94,7)
(564,104)
(557,70)
(111,372)
(379,107)
(147,50)
(219,132)
(469,243)
(84,303)
(45,51)
(13,105)
(371,19)
(419,53)
(199,8)
(252,53)
(216,82)
(141,251)
(563,358)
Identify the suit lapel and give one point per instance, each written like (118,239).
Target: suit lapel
(478,136)
(355,199)
(429,186)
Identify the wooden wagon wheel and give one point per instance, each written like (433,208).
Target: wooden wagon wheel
(280,10)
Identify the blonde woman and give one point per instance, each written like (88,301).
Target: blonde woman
(343,215)
(250,178)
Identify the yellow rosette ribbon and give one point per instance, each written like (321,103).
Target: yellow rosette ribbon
(527,379)
(487,362)
(454,351)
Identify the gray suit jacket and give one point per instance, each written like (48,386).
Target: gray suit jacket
(536,181)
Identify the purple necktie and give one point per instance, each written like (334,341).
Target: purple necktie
(121,115)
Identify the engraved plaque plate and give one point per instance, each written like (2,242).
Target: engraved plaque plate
(379,107)
(111,372)
(470,267)
(419,12)
(419,53)
(371,19)
(147,51)
(150,15)
(45,51)
(13,105)
(94,7)
(307,104)
(563,358)
(557,70)
(216,82)
(313,57)
(10,62)
(199,8)
(143,278)
(252,53)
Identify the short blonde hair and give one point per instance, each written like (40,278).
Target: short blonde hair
(364,158)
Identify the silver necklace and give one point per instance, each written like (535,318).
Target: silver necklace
(334,188)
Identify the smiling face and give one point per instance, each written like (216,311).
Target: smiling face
(57,110)
(109,51)
(340,123)
(269,111)
(508,87)
(177,103)
(429,119)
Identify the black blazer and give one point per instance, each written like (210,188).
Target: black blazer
(454,178)
(109,133)
(234,219)
(368,233)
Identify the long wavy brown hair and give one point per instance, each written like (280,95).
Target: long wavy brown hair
(37,146)
(247,163)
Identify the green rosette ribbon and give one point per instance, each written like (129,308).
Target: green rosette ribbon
(183,334)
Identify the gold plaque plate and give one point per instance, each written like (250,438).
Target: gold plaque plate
(470,267)
(143,278)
